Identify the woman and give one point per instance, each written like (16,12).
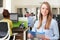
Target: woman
(6,16)
(46,24)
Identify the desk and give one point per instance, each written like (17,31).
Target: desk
(21,33)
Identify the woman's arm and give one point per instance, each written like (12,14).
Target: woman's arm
(35,26)
(55,30)
(33,30)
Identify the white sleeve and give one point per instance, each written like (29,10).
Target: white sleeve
(55,30)
(35,26)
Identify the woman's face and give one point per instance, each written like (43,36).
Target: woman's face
(44,10)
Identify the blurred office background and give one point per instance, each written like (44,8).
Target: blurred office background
(22,6)
(32,6)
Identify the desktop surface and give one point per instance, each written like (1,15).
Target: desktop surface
(17,24)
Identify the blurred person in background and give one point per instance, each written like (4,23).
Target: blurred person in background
(6,18)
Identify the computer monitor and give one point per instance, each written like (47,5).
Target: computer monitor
(14,17)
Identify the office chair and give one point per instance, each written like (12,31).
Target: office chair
(4,31)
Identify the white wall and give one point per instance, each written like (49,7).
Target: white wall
(1,9)
(32,3)
(6,5)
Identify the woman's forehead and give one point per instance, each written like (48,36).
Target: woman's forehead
(44,6)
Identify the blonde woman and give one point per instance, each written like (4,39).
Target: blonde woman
(46,24)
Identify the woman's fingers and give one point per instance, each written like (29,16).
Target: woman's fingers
(29,35)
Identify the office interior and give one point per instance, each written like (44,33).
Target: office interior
(20,7)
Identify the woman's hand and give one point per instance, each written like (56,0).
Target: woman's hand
(41,36)
(29,35)
(46,38)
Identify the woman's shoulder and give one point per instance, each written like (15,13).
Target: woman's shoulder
(36,21)
(53,21)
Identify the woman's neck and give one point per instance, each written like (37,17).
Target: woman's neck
(44,17)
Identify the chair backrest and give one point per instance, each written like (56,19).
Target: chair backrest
(3,29)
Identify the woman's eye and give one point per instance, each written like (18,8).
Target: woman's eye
(42,8)
(45,8)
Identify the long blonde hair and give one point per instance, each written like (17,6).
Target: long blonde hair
(49,17)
